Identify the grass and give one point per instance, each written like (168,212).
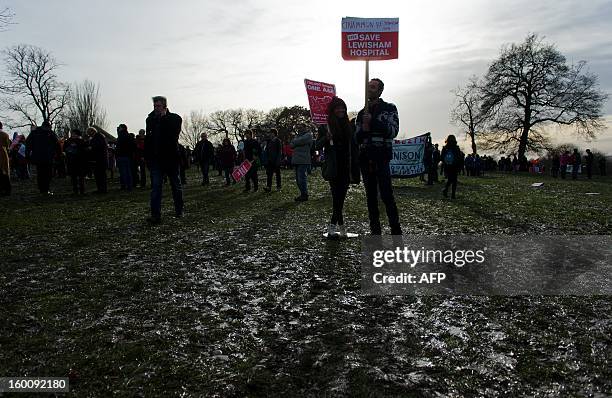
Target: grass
(243,297)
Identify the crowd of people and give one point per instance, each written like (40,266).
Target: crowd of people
(350,151)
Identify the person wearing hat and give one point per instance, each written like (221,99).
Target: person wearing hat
(75,149)
(301,159)
(341,161)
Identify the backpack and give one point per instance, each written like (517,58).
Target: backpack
(449,158)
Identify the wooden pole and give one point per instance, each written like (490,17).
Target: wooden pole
(367,80)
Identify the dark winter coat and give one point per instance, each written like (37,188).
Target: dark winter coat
(41,145)
(341,158)
(274,151)
(251,149)
(126,145)
(161,139)
(204,152)
(99,150)
(227,156)
(75,149)
(377,144)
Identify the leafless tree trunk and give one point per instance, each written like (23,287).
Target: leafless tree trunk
(85,107)
(33,91)
(467,112)
(219,123)
(193,126)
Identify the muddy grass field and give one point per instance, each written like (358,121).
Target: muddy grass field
(243,296)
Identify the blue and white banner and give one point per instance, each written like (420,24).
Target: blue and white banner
(408,156)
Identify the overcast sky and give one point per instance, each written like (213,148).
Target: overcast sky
(211,54)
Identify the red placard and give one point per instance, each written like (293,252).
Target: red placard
(319,96)
(372,39)
(241,170)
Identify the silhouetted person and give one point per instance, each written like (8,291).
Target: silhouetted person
(302,159)
(376,127)
(453,162)
(435,160)
(41,146)
(141,166)
(564,161)
(125,151)
(99,156)
(161,154)
(75,149)
(588,160)
(252,151)
(5,169)
(341,156)
(205,154)
(556,165)
(576,162)
(183,163)
(274,152)
(602,165)
(227,160)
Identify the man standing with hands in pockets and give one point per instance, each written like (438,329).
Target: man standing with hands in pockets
(376,127)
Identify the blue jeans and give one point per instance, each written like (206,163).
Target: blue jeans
(157,178)
(125,172)
(301,178)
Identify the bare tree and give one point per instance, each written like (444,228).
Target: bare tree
(467,112)
(219,123)
(242,120)
(254,119)
(530,86)
(236,118)
(193,126)
(33,91)
(85,107)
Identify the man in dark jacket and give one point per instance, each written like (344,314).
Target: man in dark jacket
(274,150)
(139,158)
(428,161)
(99,156)
(161,154)
(126,149)
(205,152)
(41,146)
(435,160)
(252,151)
(75,149)
(576,162)
(588,159)
(376,127)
